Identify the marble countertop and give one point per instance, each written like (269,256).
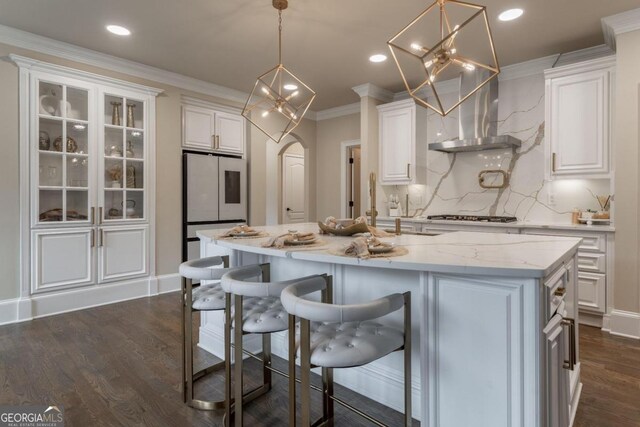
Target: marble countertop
(506,255)
(517,224)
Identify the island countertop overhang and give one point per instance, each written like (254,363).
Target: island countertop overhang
(485,254)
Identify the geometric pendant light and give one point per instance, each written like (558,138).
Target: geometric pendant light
(278,94)
(449,38)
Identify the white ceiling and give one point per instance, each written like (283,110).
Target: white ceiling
(326,42)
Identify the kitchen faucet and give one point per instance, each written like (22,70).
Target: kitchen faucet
(372,195)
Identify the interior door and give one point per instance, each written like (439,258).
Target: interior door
(201,187)
(293,186)
(232,178)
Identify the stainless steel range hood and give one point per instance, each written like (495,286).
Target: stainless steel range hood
(478,118)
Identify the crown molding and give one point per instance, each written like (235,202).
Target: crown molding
(570,69)
(587,54)
(36,65)
(25,40)
(373,91)
(614,25)
(197,102)
(342,110)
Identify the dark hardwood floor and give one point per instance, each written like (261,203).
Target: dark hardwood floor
(120,365)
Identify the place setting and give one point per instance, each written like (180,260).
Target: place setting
(368,246)
(295,240)
(243,231)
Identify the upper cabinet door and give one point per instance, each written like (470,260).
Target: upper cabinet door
(578,119)
(197,128)
(229,133)
(397,143)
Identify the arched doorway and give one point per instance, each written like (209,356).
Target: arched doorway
(274,176)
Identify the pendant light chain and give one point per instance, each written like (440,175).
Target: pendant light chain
(279,36)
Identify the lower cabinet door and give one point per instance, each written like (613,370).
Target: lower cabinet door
(592,291)
(123,252)
(557,376)
(61,258)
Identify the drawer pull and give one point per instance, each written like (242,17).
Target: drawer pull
(571,324)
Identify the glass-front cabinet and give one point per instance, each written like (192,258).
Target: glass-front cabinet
(63,139)
(86,143)
(123,158)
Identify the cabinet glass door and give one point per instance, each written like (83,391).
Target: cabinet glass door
(124,159)
(63,160)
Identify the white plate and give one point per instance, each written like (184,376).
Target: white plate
(381,249)
(300,242)
(245,234)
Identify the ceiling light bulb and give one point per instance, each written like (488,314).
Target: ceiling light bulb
(428,64)
(265,114)
(295,93)
(378,58)
(432,77)
(279,109)
(290,87)
(118,30)
(510,15)
(416,46)
(468,66)
(265,90)
(452,51)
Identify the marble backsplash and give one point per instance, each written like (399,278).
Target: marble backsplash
(452,179)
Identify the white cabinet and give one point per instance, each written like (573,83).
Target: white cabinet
(88,147)
(62,258)
(198,128)
(123,253)
(402,143)
(578,118)
(557,375)
(206,127)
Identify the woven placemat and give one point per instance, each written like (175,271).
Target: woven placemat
(260,235)
(397,251)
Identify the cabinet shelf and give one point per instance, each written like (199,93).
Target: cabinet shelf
(123,127)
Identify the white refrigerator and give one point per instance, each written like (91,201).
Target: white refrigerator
(214,196)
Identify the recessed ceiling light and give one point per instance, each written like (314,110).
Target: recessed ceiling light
(118,30)
(510,15)
(290,87)
(378,58)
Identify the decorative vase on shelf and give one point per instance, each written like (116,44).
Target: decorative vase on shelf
(130,153)
(131,122)
(44,141)
(115,113)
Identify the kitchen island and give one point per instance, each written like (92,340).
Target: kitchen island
(494,340)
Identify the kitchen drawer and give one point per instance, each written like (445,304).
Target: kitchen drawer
(556,290)
(591,242)
(441,229)
(592,291)
(592,262)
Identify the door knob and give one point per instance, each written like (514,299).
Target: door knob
(288,209)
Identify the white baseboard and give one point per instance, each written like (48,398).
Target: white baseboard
(8,311)
(168,283)
(624,323)
(41,305)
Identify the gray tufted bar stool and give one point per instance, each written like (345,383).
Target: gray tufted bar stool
(209,297)
(264,315)
(343,336)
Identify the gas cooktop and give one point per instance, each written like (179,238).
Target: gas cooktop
(474,218)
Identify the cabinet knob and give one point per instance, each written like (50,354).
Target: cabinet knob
(409,170)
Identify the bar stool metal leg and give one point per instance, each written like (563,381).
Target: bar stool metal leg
(305,374)
(239,379)
(183,324)
(407,360)
(228,400)
(292,371)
